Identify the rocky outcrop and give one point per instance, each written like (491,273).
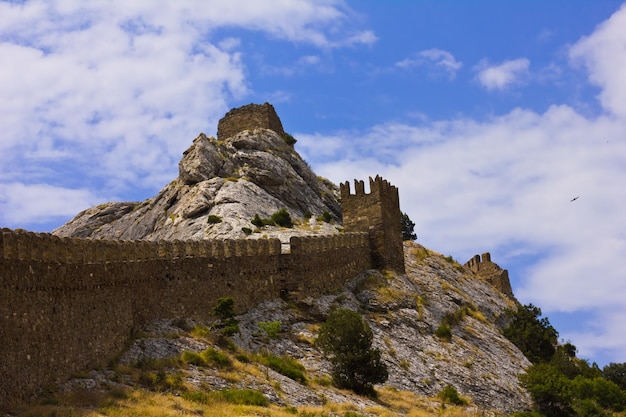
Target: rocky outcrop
(227,181)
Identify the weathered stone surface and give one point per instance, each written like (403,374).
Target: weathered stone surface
(249,117)
(235,178)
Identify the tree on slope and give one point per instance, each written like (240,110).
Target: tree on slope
(346,340)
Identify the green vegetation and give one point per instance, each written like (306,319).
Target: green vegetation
(246,230)
(213,219)
(408,228)
(233,396)
(533,335)
(346,340)
(289,140)
(279,218)
(225,311)
(284,365)
(209,357)
(308,214)
(444,332)
(559,383)
(271,328)
(449,395)
(282,218)
(325,217)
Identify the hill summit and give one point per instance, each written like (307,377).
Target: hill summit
(251,168)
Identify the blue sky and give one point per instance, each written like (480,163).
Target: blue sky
(490,116)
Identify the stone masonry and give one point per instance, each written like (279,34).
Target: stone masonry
(70,304)
(378,214)
(249,117)
(492,273)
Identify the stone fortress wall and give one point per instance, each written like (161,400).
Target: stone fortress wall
(70,304)
(378,214)
(492,273)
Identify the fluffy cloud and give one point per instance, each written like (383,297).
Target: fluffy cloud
(499,77)
(505,185)
(603,55)
(113,90)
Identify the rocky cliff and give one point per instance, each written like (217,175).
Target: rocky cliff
(221,185)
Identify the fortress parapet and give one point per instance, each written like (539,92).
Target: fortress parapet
(491,272)
(377,214)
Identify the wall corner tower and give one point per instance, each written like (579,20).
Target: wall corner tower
(378,214)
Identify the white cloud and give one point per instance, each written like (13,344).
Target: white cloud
(603,55)
(500,77)
(507,183)
(40,203)
(115,89)
(440,59)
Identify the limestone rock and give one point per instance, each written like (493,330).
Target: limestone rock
(252,172)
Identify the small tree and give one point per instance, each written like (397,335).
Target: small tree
(225,311)
(346,340)
(408,228)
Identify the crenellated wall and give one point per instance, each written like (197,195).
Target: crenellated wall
(71,304)
(491,273)
(67,305)
(378,214)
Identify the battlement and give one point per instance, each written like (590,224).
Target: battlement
(378,214)
(249,117)
(492,273)
(475,263)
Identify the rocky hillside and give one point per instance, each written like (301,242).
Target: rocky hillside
(221,185)
(439,324)
(404,312)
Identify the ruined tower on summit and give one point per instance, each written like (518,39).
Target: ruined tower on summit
(249,117)
(378,214)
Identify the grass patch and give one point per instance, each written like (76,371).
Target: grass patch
(284,365)
(232,396)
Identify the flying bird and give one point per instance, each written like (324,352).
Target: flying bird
(574,199)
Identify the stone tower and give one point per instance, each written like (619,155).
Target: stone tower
(378,214)
(249,117)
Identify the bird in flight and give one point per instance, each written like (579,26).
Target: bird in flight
(574,199)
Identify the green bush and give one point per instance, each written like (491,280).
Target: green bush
(213,219)
(257,221)
(246,230)
(449,395)
(289,140)
(284,365)
(271,328)
(282,218)
(444,332)
(308,214)
(325,217)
